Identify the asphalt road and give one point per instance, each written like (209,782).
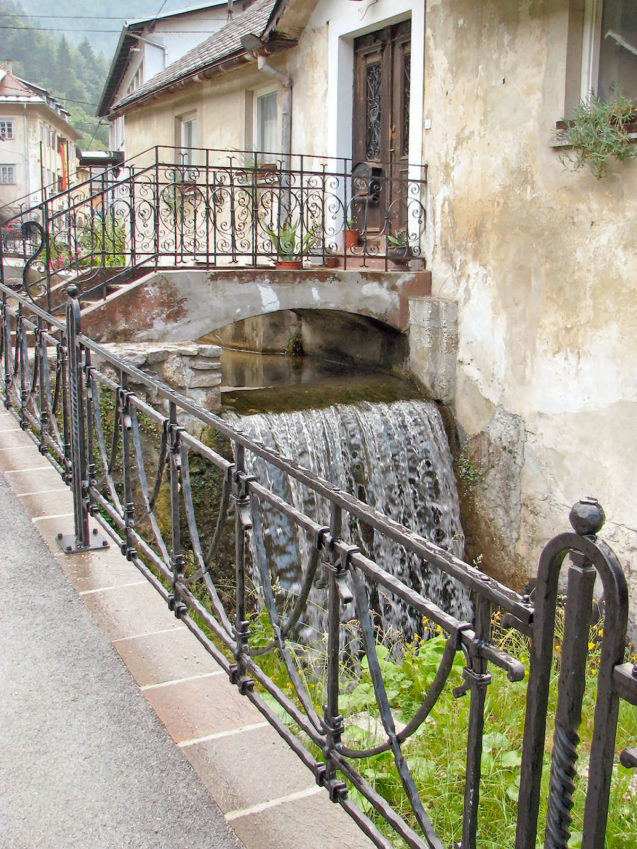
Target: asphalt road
(84,762)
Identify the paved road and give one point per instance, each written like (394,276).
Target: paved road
(84,762)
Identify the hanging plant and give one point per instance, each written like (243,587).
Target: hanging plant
(597,133)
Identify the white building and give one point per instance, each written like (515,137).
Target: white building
(37,147)
(148,45)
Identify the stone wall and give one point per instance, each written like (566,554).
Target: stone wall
(193,370)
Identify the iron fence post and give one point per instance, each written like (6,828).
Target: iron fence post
(572,682)
(242,523)
(477,679)
(177,559)
(81,539)
(587,518)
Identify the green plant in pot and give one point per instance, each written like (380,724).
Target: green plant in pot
(399,250)
(597,133)
(290,246)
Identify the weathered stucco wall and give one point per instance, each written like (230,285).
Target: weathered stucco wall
(541,262)
(223,105)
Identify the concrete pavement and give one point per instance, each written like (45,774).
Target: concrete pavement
(84,761)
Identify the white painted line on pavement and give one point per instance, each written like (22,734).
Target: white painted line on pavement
(219,735)
(30,469)
(263,806)
(42,491)
(114,587)
(145,687)
(149,633)
(53,516)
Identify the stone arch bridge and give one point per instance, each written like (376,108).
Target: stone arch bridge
(179,305)
(186,304)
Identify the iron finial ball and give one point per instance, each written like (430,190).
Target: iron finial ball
(72,291)
(587,517)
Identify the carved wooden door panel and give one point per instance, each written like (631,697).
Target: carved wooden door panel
(381,119)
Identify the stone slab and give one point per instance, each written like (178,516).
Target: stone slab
(20,457)
(195,709)
(167,656)
(34,479)
(130,611)
(100,570)
(49,503)
(331,827)
(233,768)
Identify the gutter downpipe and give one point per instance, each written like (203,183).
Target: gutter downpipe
(27,161)
(286,129)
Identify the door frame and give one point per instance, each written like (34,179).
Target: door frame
(349,21)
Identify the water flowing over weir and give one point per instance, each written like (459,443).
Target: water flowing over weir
(394,457)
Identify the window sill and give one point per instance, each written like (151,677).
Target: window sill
(560,125)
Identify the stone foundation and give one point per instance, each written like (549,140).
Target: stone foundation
(192,369)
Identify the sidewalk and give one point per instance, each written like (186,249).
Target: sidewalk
(165,754)
(84,762)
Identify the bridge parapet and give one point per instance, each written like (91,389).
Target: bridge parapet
(181,305)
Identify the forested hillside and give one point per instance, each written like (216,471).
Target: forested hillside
(75,75)
(92,19)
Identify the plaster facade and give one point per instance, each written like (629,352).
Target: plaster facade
(37,144)
(540,261)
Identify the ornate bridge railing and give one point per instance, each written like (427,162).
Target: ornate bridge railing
(173,206)
(163,494)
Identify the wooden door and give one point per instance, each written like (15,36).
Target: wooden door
(381,119)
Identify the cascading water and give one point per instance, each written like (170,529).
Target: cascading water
(394,457)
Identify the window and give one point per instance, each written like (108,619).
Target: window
(186,132)
(6,129)
(7,174)
(267,121)
(609,53)
(137,80)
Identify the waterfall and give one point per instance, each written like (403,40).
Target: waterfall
(394,457)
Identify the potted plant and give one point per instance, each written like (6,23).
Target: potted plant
(399,250)
(289,246)
(351,234)
(598,132)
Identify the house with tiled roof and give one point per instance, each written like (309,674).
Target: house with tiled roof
(37,142)
(147,46)
(538,258)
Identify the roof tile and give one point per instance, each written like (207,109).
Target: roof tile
(223,44)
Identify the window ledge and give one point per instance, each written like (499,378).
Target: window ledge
(556,143)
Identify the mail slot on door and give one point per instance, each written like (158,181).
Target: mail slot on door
(366,182)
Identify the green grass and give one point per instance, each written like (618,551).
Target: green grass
(436,754)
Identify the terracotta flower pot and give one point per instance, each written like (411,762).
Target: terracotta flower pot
(289,264)
(351,239)
(331,261)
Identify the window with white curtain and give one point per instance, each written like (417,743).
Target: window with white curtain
(609,56)
(267,121)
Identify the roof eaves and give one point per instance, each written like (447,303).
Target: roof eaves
(204,66)
(118,66)
(175,13)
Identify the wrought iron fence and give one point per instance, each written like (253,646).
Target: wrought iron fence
(141,472)
(210,208)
